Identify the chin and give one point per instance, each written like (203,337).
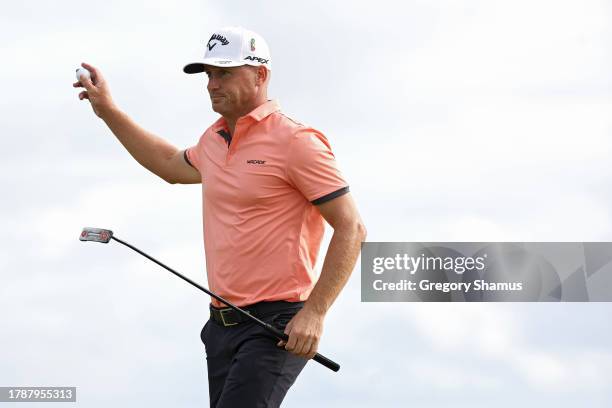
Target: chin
(217,108)
(221,107)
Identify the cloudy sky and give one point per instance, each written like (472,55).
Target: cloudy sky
(456,120)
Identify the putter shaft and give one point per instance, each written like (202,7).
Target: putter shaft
(279,334)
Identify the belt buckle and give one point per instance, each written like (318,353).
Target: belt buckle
(221,312)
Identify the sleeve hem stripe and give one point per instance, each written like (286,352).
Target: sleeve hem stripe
(330,196)
(187,159)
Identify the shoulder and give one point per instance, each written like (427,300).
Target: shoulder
(288,120)
(285,123)
(297,132)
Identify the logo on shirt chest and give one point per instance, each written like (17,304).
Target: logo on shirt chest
(256,162)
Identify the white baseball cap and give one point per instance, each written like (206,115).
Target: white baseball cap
(233,47)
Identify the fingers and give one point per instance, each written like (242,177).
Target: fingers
(296,344)
(303,345)
(313,349)
(85,82)
(301,348)
(292,343)
(89,67)
(305,351)
(307,345)
(303,332)
(96,75)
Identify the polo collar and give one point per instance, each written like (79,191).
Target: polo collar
(264,110)
(258,114)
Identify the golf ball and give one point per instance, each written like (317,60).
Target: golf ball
(80,72)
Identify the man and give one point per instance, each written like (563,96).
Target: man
(268,183)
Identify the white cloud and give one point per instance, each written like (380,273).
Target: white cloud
(494,332)
(452,120)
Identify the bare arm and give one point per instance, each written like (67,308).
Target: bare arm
(152,152)
(306,327)
(349,231)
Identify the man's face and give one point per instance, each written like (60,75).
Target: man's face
(232,90)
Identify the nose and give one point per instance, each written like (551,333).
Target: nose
(213,84)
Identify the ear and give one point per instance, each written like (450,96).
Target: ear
(262,74)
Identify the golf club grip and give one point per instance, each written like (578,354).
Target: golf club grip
(319,358)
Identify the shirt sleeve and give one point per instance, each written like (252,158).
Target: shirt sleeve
(192,156)
(186,156)
(312,167)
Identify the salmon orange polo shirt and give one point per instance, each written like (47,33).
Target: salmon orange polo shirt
(260,189)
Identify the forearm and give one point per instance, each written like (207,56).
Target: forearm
(338,265)
(150,151)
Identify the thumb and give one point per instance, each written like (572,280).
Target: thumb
(288,328)
(287,331)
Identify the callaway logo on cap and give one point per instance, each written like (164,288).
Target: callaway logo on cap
(233,47)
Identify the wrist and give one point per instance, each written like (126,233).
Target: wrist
(108,112)
(313,308)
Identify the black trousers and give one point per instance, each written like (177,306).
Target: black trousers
(245,366)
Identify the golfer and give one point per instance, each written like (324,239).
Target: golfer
(268,184)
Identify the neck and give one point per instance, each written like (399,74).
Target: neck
(232,119)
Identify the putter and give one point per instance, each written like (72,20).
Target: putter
(104,236)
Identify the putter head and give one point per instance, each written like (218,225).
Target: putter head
(96,235)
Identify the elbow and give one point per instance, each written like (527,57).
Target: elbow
(169,180)
(354,230)
(362,232)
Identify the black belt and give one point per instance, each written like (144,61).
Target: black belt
(230,317)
